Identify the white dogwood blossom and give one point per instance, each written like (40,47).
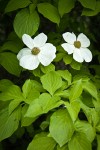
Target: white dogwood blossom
(77,46)
(37,51)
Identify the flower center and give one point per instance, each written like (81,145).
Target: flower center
(77,44)
(35,51)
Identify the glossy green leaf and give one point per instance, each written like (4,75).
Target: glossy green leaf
(42,105)
(61,127)
(51,82)
(65,6)
(10,63)
(8,123)
(26,22)
(79,141)
(42,142)
(16,4)
(49,11)
(88,4)
(76,90)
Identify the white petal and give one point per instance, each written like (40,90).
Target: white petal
(86,54)
(68,47)
(40,40)
(29,62)
(23,52)
(77,55)
(28,41)
(69,37)
(47,54)
(85,42)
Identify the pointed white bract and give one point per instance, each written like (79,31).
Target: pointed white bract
(77,46)
(37,51)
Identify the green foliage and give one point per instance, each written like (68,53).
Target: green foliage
(13,5)
(10,63)
(61,127)
(49,11)
(9,123)
(54,107)
(79,141)
(51,82)
(65,6)
(45,143)
(26,22)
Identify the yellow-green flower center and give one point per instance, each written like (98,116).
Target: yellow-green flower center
(77,44)
(35,51)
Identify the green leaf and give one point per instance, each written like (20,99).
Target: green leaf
(26,22)
(76,65)
(73,109)
(26,87)
(61,127)
(85,127)
(65,6)
(14,104)
(10,63)
(79,141)
(90,88)
(13,46)
(67,59)
(88,12)
(59,57)
(51,82)
(49,11)
(13,92)
(98,142)
(26,121)
(8,123)
(29,92)
(42,105)
(48,68)
(16,4)
(5,84)
(65,74)
(42,142)
(65,147)
(76,90)
(88,4)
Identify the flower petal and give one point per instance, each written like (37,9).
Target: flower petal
(29,62)
(23,52)
(85,42)
(77,55)
(86,54)
(69,37)
(68,47)
(47,54)
(28,41)
(40,40)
